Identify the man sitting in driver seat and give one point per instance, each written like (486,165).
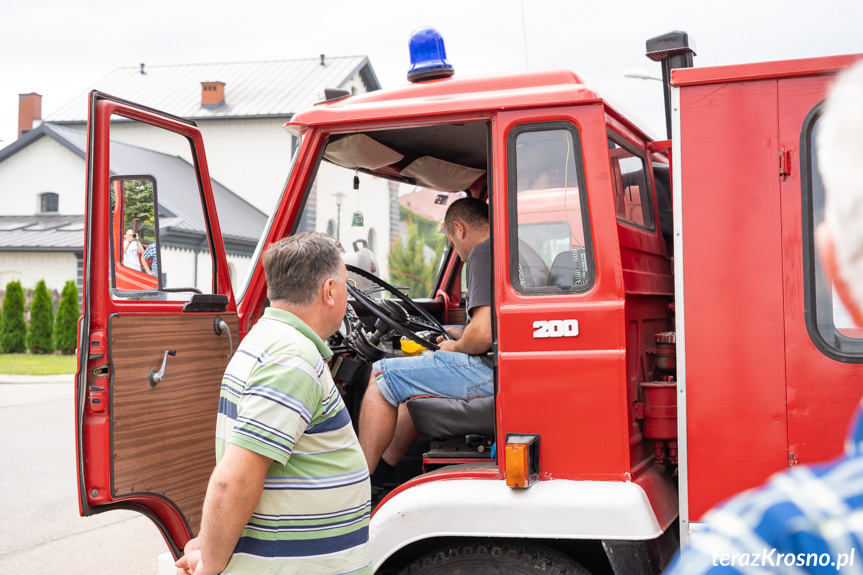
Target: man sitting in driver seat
(459,370)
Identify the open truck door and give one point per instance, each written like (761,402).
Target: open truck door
(159,322)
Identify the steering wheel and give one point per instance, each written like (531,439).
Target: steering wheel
(395,316)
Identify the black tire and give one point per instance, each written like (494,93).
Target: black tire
(472,558)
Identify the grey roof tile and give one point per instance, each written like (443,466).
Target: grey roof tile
(252,89)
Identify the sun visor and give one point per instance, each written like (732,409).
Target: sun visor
(441,175)
(360,151)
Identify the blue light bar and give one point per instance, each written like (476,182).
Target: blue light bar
(428,56)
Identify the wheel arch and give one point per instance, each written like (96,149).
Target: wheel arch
(589,553)
(567,513)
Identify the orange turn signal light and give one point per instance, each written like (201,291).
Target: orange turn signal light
(521,456)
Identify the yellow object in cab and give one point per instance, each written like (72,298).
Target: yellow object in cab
(410,347)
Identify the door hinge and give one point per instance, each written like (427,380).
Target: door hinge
(784,163)
(792,459)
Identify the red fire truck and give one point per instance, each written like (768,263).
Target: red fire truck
(663,334)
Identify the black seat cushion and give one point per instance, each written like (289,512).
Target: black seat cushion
(444,417)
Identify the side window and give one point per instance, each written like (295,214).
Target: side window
(829,324)
(632,196)
(159,232)
(548,207)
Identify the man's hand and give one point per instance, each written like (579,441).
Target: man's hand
(187,564)
(447,345)
(476,337)
(454,332)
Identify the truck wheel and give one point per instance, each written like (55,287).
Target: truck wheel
(493,559)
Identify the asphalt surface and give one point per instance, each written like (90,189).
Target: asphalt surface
(41,530)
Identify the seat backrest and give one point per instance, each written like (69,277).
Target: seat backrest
(532,270)
(568,268)
(445,417)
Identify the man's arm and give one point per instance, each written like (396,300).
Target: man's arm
(476,339)
(232,495)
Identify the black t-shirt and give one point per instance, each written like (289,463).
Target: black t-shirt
(478,276)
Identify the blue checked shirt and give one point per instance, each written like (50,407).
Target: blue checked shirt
(151,256)
(808,520)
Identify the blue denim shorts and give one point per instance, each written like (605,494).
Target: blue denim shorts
(442,373)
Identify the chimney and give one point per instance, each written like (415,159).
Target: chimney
(29,109)
(212,93)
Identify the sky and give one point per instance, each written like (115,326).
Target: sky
(61,49)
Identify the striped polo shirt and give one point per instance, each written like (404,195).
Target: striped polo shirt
(278,399)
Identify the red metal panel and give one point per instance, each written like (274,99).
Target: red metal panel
(761,70)
(571,391)
(732,259)
(822,392)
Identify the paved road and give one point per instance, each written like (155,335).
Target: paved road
(40,529)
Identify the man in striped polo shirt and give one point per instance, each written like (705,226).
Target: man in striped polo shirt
(290,492)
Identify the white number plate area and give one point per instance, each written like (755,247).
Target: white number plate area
(555,328)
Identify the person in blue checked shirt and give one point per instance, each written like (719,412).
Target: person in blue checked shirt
(808,520)
(151,260)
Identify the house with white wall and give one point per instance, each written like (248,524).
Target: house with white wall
(42,222)
(239,107)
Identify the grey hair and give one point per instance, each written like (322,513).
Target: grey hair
(840,154)
(471,211)
(297,266)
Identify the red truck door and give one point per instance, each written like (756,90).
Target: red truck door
(824,347)
(151,351)
(559,293)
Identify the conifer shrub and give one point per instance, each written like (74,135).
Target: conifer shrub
(13,330)
(41,328)
(66,323)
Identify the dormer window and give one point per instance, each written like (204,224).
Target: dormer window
(49,203)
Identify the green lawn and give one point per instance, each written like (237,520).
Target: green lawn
(22,364)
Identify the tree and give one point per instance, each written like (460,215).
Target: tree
(139,205)
(40,331)
(408,264)
(13,331)
(66,323)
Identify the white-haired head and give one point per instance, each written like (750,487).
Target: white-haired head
(840,161)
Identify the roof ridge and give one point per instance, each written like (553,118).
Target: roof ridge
(148,66)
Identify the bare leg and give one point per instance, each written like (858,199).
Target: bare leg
(377,424)
(404,437)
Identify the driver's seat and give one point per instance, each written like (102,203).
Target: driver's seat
(458,429)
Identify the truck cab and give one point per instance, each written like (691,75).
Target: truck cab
(577,461)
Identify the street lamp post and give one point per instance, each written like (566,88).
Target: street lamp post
(340,197)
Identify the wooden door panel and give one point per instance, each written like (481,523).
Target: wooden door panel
(163,437)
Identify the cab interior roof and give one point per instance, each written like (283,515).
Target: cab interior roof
(465,144)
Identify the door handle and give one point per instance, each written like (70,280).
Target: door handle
(159,376)
(219,325)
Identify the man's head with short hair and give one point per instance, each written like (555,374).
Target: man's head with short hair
(297,266)
(840,155)
(471,211)
(466,225)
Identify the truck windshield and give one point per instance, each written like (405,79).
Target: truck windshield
(384,194)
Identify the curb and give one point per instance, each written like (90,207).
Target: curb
(62,378)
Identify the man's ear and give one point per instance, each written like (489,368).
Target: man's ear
(327,291)
(827,254)
(458,229)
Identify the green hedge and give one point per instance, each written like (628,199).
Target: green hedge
(66,323)
(41,328)
(13,330)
